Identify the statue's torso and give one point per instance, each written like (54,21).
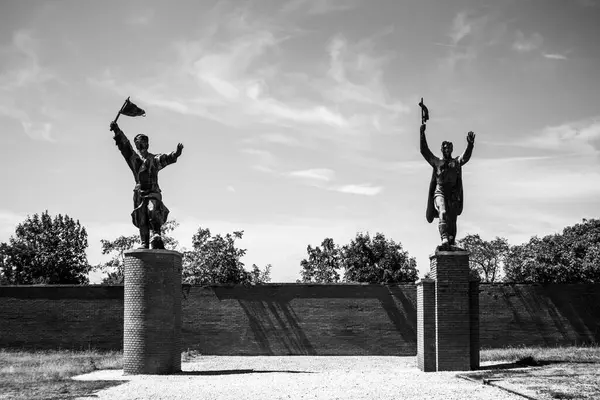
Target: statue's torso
(447,176)
(146,174)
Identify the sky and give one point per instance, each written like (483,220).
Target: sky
(300,118)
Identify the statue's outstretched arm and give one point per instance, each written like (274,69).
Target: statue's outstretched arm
(427,154)
(122,142)
(168,159)
(466,156)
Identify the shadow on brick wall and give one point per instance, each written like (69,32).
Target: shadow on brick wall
(309,319)
(297,319)
(539,315)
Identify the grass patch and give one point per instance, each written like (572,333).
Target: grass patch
(189,355)
(571,372)
(46,374)
(540,355)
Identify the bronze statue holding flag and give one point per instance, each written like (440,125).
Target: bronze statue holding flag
(149,212)
(445,198)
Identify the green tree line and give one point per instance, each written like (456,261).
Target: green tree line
(49,249)
(571,256)
(365,259)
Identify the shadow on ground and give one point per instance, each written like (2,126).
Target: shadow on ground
(239,372)
(516,364)
(529,362)
(68,389)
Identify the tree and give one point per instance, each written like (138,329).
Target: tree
(377,260)
(45,250)
(258,276)
(118,247)
(322,263)
(539,261)
(216,259)
(572,256)
(487,257)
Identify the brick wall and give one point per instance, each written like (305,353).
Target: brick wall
(301,319)
(65,316)
(539,314)
(297,318)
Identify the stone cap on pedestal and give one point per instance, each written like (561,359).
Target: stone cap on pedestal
(424,280)
(151,251)
(449,253)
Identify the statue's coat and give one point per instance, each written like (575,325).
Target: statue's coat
(431,212)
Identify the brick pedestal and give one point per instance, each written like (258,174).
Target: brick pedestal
(426,325)
(448,315)
(152,312)
(474,323)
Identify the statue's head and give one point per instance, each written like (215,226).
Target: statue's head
(141,142)
(447,149)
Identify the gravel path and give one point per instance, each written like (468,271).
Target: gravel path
(296,377)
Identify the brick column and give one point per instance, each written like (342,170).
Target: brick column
(152,312)
(474,323)
(450,270)
(426,325)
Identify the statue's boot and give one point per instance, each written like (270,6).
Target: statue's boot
(156,242)
(145,237)
(443,228)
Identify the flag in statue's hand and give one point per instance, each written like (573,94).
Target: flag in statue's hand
(131,110)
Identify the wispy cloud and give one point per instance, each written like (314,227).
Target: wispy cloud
(35,130)
(29,71)
(467,35)
(555,56)
(141,17)
(27,78)
(317,7)
(263,160)
(367,85)
(235,74)
(454,58)
(561,186)
(558,180)
(525,44)
(232,77)
(461,27)
(38,130)
(404,167)
(578,136)
(318,174)
(323,178)
(361,189)
(278,138)
(232,73)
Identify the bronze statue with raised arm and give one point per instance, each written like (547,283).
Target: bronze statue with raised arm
(149,212)
(445,200)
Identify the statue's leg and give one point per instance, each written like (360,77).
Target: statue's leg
(440,206)
(139,217)
(145,237)
(452,228)
(155,225)
(144,226)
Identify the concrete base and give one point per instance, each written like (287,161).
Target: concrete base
(152,312)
